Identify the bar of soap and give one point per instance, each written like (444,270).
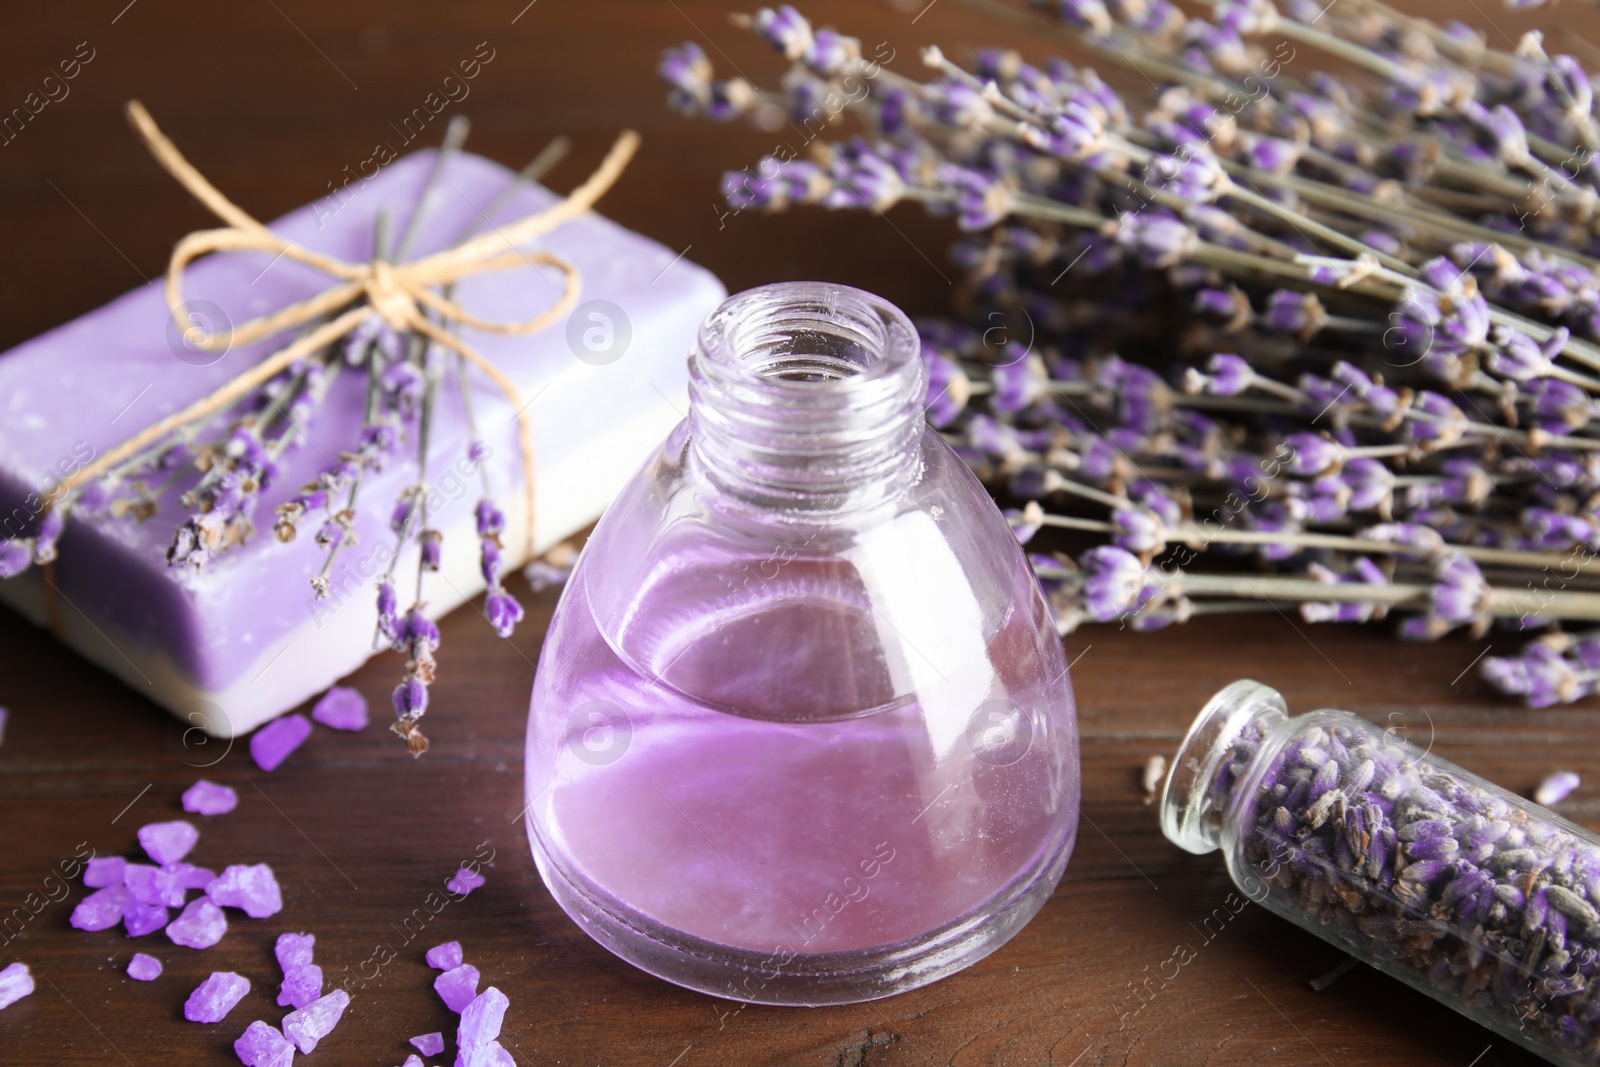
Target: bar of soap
(237,642)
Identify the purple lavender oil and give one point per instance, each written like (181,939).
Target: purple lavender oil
(803,736)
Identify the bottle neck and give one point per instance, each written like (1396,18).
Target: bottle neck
(805,396)
(1216,752)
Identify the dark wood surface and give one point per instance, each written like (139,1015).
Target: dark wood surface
(271,98)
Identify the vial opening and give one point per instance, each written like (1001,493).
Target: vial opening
(1223,739)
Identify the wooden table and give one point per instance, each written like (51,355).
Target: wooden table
(271,98)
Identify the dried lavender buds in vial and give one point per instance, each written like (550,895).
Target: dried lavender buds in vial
(1477,897)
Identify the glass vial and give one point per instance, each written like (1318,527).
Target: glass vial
(801,731)
(1475,896)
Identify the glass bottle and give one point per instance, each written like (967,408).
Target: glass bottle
(801,731)
(1475,896)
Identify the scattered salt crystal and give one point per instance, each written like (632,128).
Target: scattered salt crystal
(201,925)
(413,1060)
(144,968)
(263,1046)
(153,885)
(102,909)
(445,957)
(209,798)
(294,950)
(457,986)
(168,842)
(15,983)
(272,743)
(252,888)
(103,871)
(464,882)
(429,1044)
(1155,769)
(141,919)
(1554,789)
(310,1024)
(342,709)
(480,1025)
(300,986)
(189,876)
(214,998)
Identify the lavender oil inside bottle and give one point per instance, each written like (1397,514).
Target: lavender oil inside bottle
(802,731)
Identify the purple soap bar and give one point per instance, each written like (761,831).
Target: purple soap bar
(310,1024)
(241,640)
(342,709)
(429,1044)
(252,888)
(445,957)
(102,909)
(201,925)
(209,798)
(168,842)
(144,968)
(457,987)
(272,743)
(263,1046)
(104,871)
(214,998)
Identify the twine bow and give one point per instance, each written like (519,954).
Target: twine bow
(399,294)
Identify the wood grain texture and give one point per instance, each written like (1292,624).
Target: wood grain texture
(272,98)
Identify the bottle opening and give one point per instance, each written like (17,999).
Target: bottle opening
(1220,744)
(807,395)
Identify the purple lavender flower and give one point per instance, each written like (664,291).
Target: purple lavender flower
(1115,583)
(1312,454)
(1539,675)
(15,555)
(503,612)
(786,30)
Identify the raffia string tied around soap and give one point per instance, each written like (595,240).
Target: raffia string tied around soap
(399,294)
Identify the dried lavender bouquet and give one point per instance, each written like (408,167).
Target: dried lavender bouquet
(1324,293)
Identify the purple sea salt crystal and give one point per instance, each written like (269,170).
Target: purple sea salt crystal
(101,909)
(141,919)
(154,885)
(300,987)
(1556,788)
(294,950)
(464,881)
(214,998)
(480,1026)
(200,925)
(144,968)
(445,957)
(310,1024)
(103,871)
(209,798)
(413,1060)
(457,986)
(15,983)
(429,1044)
(341,708)
(252,888)
(263,1046)
(273,743)
(168,842)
